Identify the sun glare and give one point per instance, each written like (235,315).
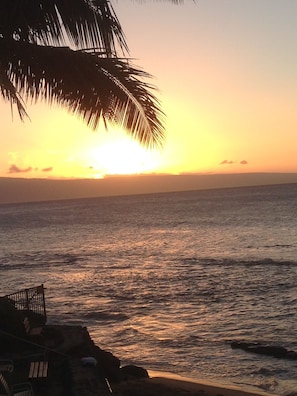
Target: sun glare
(121,157)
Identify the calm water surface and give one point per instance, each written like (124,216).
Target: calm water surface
(167,281)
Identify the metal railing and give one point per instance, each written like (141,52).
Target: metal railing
(30,300)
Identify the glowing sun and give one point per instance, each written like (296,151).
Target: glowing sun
(122,156)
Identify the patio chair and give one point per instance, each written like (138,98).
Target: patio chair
(6,366)
(22,389)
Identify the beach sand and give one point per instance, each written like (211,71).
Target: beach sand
(167,384)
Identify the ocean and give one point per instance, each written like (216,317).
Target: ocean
(167,281)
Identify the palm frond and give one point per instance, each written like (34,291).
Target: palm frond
(88,84)
(80,23)
(43,55)
(9,93)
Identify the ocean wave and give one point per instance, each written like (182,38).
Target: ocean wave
(41,258)
(106,316)
(205,261)
(279,246)
(166,281)
(268,371)
(184,341)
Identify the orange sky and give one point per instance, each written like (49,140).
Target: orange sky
(227,74)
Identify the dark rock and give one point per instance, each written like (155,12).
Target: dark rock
(132,372)
(267,350)
(78,343)
(240,345)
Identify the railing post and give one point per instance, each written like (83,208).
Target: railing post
(27,299)
(43,301)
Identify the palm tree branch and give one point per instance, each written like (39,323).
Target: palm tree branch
(88,84)
(79,23)
(9,93)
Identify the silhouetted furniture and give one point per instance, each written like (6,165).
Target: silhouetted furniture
(38,369)
(38,372)
(24,389)
(21,389)
(6,366)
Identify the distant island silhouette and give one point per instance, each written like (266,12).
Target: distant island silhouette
(17,190)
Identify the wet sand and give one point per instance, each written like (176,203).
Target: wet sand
(167,384)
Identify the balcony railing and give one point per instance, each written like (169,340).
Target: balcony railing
(30,301)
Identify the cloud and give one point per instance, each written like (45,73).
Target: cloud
(226,162)
(49,169)
(15,169)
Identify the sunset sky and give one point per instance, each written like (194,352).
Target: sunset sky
(227,77)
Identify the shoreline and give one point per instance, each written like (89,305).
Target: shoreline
(76,365)
(135,380)
(168,384)
(203,386)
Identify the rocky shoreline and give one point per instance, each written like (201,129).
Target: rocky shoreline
(59,360)
(78,367)
(63,360)
(83,368)
(107,376)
